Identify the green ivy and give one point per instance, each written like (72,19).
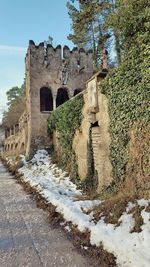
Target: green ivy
(66,119)
(128,91)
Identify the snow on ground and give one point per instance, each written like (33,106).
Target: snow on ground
(131,249)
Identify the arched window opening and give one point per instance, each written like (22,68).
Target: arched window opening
(77,91)
(11,146)
(16,145)
(62,96)
(46,99)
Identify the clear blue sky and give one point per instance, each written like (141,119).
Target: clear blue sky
(20,21)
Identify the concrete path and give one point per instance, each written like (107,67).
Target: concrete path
(26,239)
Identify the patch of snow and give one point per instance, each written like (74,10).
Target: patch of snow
(67,228)
(131,249)
(84,247)
(130,206)
(62,223)
(143,202)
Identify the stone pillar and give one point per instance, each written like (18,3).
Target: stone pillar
(54,102)
(71,93)
(104,59)
(16,128)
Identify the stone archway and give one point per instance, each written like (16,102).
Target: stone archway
(62,96)
(46,99)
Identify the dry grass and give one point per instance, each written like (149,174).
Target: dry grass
(111,210)
(148,208)
(136,213)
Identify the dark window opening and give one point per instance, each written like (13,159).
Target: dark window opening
(46,99)
(77,91)
(62,96)
(16,145)
(94,124)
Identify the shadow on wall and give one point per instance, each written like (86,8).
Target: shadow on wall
(77,91)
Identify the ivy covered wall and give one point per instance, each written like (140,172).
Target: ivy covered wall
(66,119)
(128,92)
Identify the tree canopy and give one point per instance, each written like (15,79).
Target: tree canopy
(99,24)
(13,93)
(16,105)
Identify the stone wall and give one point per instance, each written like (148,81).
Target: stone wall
(92,139)
(16,138)
(95,126)
(2,137)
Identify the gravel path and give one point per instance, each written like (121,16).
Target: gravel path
(26,239)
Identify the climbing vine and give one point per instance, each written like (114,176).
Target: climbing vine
(66,119)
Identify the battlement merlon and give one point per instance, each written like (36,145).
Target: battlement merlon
(42,55)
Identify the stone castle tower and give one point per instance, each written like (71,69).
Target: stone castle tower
(52,77)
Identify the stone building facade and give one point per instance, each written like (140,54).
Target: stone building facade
(2,136)
(53,76)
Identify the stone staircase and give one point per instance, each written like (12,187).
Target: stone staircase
(96,138)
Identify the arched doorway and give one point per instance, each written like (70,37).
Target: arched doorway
(62,96)
(77,91)
(46,99)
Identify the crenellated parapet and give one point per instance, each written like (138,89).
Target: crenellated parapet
(48,56)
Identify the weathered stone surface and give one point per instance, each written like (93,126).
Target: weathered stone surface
(104,167)
(96,118)
(81,142)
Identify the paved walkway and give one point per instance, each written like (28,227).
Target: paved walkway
(26,239)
